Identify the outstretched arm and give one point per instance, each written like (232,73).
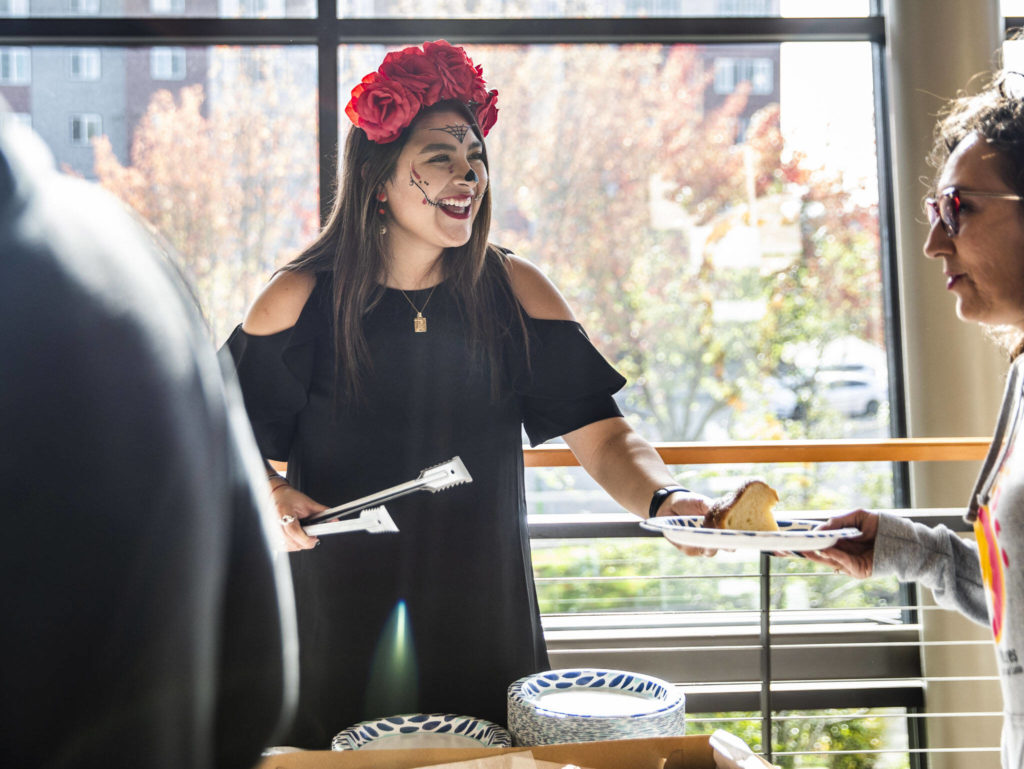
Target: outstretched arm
(933,556)
(629,468)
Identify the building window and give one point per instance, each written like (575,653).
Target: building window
(746,8)
(84,63)
(15,66)
(262,8)
(85,126)
(8,118)
(13,8)
(730,72)
(85,7)
(169,7)
(167,63)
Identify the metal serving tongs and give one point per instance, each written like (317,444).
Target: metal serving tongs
(433,479)
(374,520)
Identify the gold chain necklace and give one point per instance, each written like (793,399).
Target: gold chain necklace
(419,323)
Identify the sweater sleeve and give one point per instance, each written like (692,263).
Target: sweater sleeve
(935,557)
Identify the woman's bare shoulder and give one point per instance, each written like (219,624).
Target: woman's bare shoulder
(539,297)
(280,303)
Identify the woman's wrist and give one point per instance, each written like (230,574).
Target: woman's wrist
(659,497)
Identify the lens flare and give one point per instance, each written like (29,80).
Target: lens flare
(393,683)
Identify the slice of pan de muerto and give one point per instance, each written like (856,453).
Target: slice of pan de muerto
(749,508)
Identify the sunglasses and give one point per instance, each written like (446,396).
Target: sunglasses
(947,206)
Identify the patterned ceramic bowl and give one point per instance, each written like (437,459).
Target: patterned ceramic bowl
(588,704)
(422,730)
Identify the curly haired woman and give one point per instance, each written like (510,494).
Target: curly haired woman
(977,231)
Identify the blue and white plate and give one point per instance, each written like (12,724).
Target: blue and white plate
(422,730)
(793,535)
(588,704)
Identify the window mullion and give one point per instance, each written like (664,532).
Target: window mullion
(764,564)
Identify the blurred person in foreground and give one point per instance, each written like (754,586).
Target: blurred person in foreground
(146,622)
(399,339)
(976,213)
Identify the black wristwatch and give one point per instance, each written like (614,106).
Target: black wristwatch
(659,497)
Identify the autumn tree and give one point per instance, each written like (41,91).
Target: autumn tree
(614,178)
(229,180)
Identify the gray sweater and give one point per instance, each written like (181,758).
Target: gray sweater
(984,579)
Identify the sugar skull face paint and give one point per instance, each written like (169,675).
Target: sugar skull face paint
(440,178)
(425,171)
(457,131)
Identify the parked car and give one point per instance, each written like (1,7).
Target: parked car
(853,393)
(851,389)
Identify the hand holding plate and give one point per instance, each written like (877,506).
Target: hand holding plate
(854,556)
(687,503)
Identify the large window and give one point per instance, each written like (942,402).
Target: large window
(707,202)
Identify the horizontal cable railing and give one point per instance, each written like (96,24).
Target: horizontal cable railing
(819,657)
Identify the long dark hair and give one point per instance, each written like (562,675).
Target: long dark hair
(352,248)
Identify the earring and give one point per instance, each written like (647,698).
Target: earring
(381,197)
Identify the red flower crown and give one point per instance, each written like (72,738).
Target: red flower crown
(387,101)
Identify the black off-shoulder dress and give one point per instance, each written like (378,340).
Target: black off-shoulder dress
(442,616)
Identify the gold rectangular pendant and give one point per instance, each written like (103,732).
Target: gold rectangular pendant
(419,324)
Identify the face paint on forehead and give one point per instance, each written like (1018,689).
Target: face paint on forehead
(458,131)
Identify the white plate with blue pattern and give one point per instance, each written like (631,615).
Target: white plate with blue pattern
(793,535)
(422,730)
(588,704)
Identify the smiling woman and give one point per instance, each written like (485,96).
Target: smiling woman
(397,340)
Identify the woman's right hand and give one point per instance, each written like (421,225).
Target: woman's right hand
(856,556)
(292,507)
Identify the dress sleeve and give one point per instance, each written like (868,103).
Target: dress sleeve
(274,372)
(567,383)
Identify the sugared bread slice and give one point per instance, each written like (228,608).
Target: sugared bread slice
(749,508)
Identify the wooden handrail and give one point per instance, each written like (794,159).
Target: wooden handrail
(739,452)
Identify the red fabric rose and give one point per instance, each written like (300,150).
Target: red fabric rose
(487,112)
(415,71)
(454,68)
(387,101)
(382,108)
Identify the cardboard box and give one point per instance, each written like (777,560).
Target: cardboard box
(693,753)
